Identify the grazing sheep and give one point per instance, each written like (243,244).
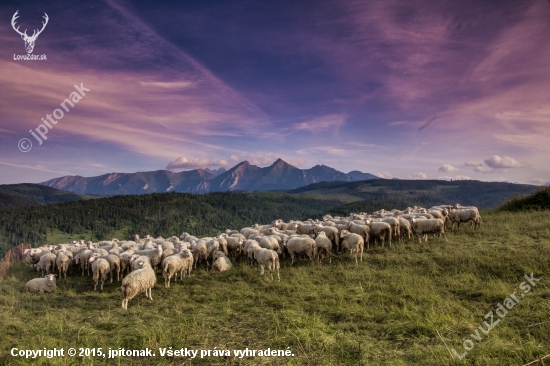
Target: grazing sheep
(331,233)
(380,231)
(270,242)
(33,256)
(100,268)
(221,262)
(235,246)
(42,284)
(114,264)
(429,226)
(154,256)
(394,223)
(125,258)
(174,264)
(267,258)
(404,228)
(46,263)
(460,215)
(360,229)
(324,246)
(353,242)
(249,247)
(305,229)
(301,245)
(187,265)
(62,261)
(200,252)
(138,281)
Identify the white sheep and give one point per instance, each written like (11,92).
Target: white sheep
(138,281)
(154,256)
(352,242)
(46,263)
(100,268)
(379,231)
(42,284)
(429,226)
(303,244)
(460,215)
(267,258)
(221,262)
(331,233)
(173,264)
(62,261)
(324,245)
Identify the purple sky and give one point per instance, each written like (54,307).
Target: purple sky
(407,89)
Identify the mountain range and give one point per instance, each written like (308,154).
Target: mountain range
(242,177)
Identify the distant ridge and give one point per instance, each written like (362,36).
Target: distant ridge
(28,194)
(242,177)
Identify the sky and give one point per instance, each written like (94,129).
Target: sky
(406,89)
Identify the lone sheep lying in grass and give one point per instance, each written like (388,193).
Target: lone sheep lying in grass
(221,262)
(42,284)
(138,281)
(353,242)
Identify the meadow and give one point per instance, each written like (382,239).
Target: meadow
(405,305)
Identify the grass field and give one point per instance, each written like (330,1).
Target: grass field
(395,308)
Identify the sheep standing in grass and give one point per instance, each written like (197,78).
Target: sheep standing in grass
(200,252)
(114,264)
(404,228)
(379,231)
(43,284)
(331,233)
(303,244)
(360,229)
(352,242)
(267,258)
(154,256)
(46,263)
(235,246)
(324,246)
(429,226)
(249,248)
(174,264)
(138,281)
(460,215)
(63,261)
(100,268)
(221,262)
(394,223)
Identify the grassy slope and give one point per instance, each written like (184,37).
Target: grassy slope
(382,312)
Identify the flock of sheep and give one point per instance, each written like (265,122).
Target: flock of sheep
(140,259)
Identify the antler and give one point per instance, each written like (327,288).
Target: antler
(35,35)
(15,16)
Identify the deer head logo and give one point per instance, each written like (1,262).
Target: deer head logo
(29,41)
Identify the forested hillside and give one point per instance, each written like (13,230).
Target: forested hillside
(170,214)
(163,214)
(369,195)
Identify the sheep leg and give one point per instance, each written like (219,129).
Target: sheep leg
(261,269)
